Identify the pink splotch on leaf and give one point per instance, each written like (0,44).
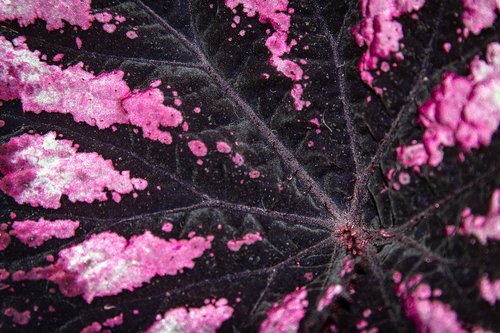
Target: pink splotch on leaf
(428,314)
(103,17)
(296,93)
(404,178)
(278,15)
(109,27)
(120,18)
(146,110)
(463,111)
(131,34)
(479,14)
(114,321)
(414,155)
(254,174)
(155,84)
(106,264)
(40,169)
(4,240)
(4,274)
(223,147)
(78,42)
(101,101)
(58,57)
(248,239)
(54,12)
(285,317)
(331,292)
(95,327)
(361,324)
(238,159)
(18,317)
(167,227)
(380,32)
(490,290)
(35,233)
(206,319)
(484,228)
(198,148)
(447,47)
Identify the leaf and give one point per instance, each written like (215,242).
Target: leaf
(285,202)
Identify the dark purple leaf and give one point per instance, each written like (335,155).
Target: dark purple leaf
(274,196)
